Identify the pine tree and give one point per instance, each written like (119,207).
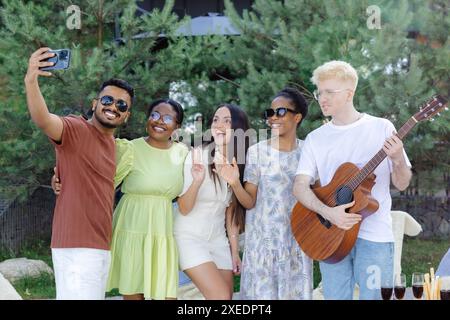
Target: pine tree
(282,42)
(26,156)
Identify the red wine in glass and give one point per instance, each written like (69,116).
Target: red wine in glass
(386,293)
(417,291)
(399,292)
(417,284)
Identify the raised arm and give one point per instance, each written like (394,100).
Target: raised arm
(401,173)
(246,195)
(187,200)
(50,123)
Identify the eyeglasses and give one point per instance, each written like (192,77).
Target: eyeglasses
(167,118)
(326,93)
(121,105)
(280,112)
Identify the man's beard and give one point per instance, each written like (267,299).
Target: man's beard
(103,123)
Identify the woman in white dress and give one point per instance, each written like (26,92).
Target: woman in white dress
(209,218)
(273,267)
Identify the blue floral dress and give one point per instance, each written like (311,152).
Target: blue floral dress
(273,267)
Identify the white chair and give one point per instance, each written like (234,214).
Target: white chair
(402,223)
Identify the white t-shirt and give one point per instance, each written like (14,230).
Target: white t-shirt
(329,146)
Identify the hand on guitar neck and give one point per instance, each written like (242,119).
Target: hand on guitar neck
(401,173)
(319,221)
(393,147)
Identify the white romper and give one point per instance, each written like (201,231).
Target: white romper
(201,234)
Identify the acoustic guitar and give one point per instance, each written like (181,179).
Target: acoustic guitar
(320,239)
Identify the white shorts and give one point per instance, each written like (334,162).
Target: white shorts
(80,273)
(194,250)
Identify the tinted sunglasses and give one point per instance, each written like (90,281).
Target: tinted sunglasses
(167,118)
(121,105)
(280,112)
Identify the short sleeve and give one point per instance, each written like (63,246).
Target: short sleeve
(124,160)
(388,133)
(74,133)
(252,170)
(307,164)
(179,153)
(187,176)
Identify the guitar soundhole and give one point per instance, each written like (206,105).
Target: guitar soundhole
(344,195)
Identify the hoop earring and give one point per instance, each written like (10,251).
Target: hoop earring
(175,136)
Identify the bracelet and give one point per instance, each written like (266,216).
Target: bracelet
(233,235)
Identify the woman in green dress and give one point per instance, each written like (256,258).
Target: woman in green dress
(144,256)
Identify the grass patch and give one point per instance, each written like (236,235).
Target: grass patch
(417,256)
(42,287)
(113,293)
(39,250)
(236,283)
(421,255)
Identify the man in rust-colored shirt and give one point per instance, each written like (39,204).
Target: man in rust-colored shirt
(85,153)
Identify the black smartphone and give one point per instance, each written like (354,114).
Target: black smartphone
(61,60)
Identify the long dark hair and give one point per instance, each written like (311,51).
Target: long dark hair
(239,121)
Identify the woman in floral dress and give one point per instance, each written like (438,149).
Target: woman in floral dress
(273,266)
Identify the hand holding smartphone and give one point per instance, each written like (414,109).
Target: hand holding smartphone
(61,60)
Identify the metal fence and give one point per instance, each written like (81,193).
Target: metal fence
(23,222)
(433,213)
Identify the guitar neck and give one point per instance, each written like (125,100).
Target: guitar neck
(379,157)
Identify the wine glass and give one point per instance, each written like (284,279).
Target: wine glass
(399,286)
(417,284)
(387,286)
(445,288)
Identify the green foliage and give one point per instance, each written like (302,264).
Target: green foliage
(421,255)
(39,250)
(26,156)
(42,287)
(281,43)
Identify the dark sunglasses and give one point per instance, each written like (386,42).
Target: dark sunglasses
(167,118)
(280,112)
(121,105)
